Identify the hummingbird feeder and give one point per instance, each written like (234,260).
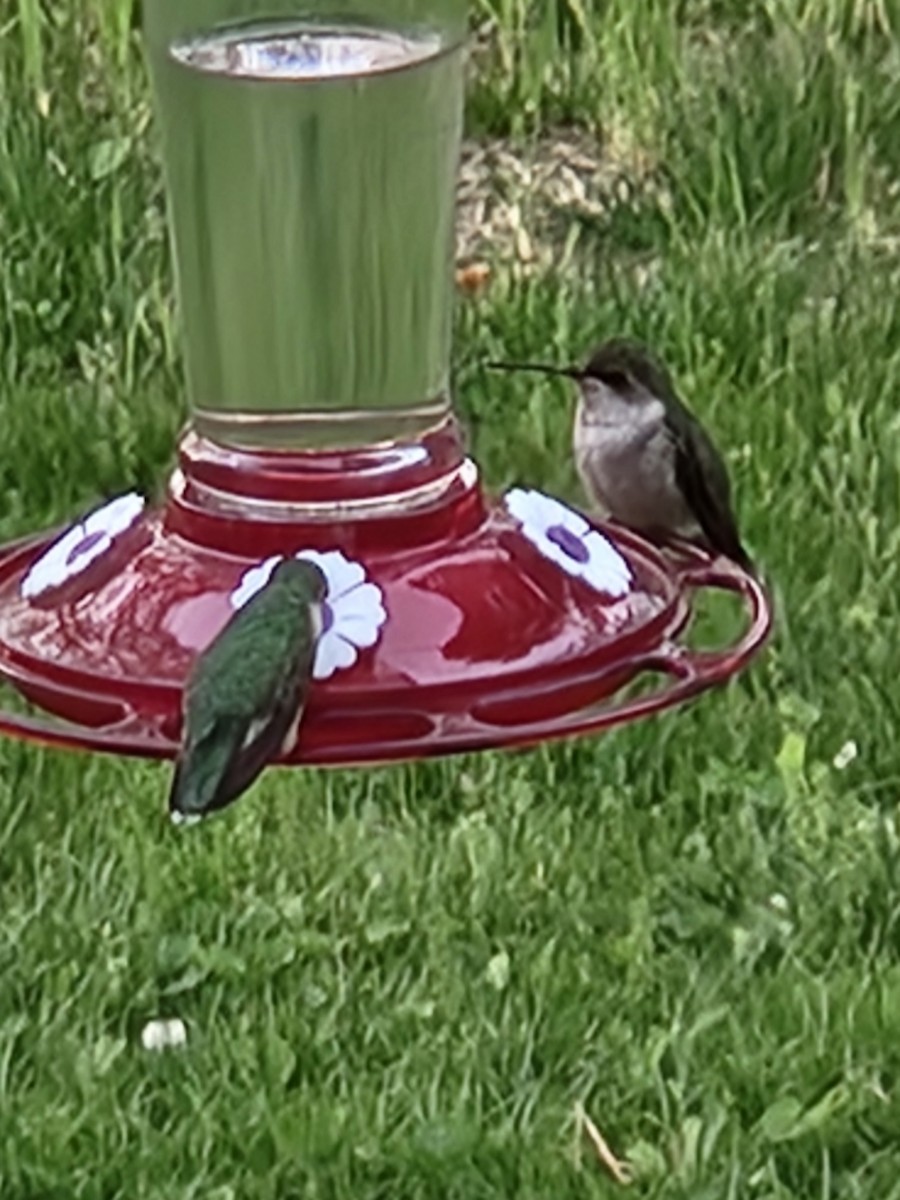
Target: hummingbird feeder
(310,153)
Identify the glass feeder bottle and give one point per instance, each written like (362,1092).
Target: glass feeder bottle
(310,155)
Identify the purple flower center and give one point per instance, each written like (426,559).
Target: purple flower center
(327,616)
(82,547)
(570,543)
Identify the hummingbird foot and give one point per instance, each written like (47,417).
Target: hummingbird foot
(697,550)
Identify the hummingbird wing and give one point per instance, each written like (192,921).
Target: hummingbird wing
(243,704)
(228,755)
(703,481)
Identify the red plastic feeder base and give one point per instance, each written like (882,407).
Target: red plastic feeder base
(487,642)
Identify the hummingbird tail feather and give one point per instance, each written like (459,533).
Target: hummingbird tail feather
(177,817)
(743,560)
(185,807)
(217,770)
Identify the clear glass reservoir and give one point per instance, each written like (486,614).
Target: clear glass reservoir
(310,154)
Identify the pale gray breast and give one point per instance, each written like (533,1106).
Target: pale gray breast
(626,462)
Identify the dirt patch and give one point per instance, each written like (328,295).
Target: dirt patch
(519,205)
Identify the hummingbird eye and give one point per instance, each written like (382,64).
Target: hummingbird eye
(615,379)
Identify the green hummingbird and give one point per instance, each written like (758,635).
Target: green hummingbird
(246,692)
(641,454)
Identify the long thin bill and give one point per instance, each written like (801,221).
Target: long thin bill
(541,368)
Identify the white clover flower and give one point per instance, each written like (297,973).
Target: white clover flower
(164,1035)
(81,545)
(845,756)
(566,538)
(353,611)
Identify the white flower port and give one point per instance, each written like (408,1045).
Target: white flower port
(81,545)
(567,539)
(353,611)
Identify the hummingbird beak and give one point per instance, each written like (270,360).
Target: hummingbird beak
(541,368)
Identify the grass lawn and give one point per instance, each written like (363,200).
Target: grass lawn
(399,983)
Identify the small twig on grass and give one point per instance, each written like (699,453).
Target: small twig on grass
(621,1171)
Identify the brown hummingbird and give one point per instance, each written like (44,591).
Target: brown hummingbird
(641,454)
